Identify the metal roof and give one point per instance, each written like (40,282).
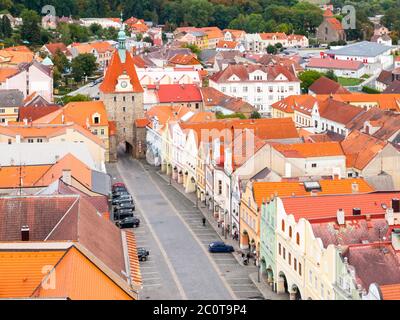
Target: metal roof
(362,49)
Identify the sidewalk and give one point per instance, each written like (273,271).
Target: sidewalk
(266,290)
(209,216)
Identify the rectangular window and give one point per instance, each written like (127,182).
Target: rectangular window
(219,187)
(290,259)
(284,253)
(30,140)
(299,268)
(313,165)
(295,264)
(102,132)
(39,140)
(280,249)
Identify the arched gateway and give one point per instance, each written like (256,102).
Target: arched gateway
(122,95)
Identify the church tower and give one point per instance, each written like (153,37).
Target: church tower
(122,95)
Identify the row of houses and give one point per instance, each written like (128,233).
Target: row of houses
(230,39)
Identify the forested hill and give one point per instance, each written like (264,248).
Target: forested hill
(251,15)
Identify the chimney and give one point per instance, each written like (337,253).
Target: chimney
(340,217)
(396,239)
(354,187)
(66,176)
(25,121)
(389,216)
(25,233)
(356,211)
(396,205)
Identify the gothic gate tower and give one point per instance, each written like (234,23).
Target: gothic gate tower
(122,96)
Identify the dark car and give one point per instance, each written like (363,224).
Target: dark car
(142,254)
(219,246)
(125,205)
(122,214)
(129,222)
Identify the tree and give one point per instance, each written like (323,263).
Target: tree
(84,65)
(96,29)
(6,28)
(79,97)
(331,75)
(195,49)
(307,78)
(271,49)
(148,40)
(60,61)
(255,115)
(30,30)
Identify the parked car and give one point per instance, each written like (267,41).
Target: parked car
(129,222)
(118,184)
(117,194)
(125,204)
(122,198)
(122,214)
(119,188)
(219,246)
(142,254)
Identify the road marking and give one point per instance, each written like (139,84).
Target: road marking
(154,278)
(193,234)
(146,273)
(152,285)
(163,252)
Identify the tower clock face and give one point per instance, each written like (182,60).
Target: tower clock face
(124,84)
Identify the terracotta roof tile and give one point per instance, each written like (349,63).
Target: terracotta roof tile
(117,68)
(325,85)
(360,149)
(80,279)
(391,291)
(326,206)
(264,190)
(310,150)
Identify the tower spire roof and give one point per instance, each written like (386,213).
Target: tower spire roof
(122,41)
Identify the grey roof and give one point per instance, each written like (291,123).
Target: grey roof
(11,98)
(197,33)
(101,183)
(207,54)
(381,182)
(363,49)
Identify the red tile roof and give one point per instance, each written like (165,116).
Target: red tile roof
(338,111)
(325,85)
(59,46)
(310,150)
(374,265)
(32,112)
(326,206)
(178,93)
(327,63)
(390,291)
(360,149)
(242,72)
(117,68)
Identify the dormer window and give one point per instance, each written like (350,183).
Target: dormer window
(96,118)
